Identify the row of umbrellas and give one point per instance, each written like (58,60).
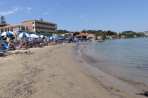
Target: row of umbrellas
(24,34)
(8,33)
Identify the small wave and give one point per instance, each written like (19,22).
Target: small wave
(143,67)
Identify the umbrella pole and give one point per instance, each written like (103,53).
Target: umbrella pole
(15,38)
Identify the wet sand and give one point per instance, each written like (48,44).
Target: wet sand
(124,87)
(53,72)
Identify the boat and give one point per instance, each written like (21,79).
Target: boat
(100,40)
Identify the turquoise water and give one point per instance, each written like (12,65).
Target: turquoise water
(122,57)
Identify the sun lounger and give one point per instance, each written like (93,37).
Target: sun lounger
(1,53)
(2,50)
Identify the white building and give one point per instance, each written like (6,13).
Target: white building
(146,33)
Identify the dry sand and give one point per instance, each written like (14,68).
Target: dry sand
(51,72)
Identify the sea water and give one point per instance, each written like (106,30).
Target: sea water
(126,58)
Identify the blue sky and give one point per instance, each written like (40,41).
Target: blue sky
(77,15)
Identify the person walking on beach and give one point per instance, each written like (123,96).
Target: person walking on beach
(11,45)
(22,43)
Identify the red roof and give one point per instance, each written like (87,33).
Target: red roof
(82,34)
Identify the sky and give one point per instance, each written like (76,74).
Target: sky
(77,15)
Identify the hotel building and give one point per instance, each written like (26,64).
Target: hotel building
(39,26)
(35,26)
(14,28)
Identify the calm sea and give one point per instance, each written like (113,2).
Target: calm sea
(122,57)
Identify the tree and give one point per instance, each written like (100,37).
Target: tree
(76,33)
(41,19)
(84,31)
(62,31)
(131,34)
(2,20)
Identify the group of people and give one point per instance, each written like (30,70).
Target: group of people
(28,43)
(4,45)
(31,42)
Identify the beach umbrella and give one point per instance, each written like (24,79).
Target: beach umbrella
(8,33)
(24,34)
(61,38)
(50,38)
(42,36)
(34,36)
(54,36)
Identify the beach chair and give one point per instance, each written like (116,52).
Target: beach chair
(22,45)
(1,54)
(2,50)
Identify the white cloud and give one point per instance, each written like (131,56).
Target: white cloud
(12,11)
(16,9)
(3,13)
(45,13)
(29,8)
(82,16)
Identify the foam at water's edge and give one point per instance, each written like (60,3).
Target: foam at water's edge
(91,64)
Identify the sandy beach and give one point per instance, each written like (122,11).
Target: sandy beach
(53,72)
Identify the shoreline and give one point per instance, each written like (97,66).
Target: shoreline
(52,72)
(141,85)
(118,84)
